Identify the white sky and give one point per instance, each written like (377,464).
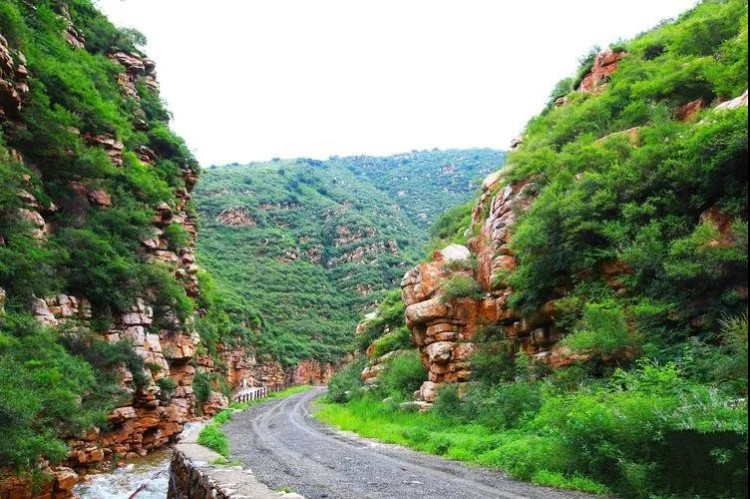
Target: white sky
(256,79)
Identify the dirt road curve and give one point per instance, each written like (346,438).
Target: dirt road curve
(288,448)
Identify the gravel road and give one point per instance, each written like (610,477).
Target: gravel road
(287,448)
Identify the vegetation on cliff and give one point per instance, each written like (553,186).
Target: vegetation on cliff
(312,244)
(636,232)
(87,164)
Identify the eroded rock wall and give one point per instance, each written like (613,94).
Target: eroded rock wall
(146,417)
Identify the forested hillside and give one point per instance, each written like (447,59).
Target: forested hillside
(100,334)
(312,244)
(426,183)
(587,328)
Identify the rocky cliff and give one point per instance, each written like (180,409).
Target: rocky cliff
(148,416)
(444,323)
(103,317)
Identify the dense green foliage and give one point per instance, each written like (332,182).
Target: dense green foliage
(39,388)
(426,183)
(402,375)
(212,437)
(657,406)
(604,199)
(641,432)
(302,221)
(461,286)
(389,317)
(54,386)
(73,92)
(345,384)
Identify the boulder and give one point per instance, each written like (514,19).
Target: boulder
(429,391)
(43,314)
(452,253)
(65,480)
(736,103)
(440,352)
(100,198)
(415,406)
(422,312)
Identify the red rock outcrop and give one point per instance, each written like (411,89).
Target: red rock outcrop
(444,330)
(312,372)
(13,84)
(59,485)
(110,144)
(31,212)
(73,35)
(242,368)
(235,217)
(136,68)
(605,65)
(147,417)
(688,111)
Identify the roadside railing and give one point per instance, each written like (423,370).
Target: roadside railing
(250,393)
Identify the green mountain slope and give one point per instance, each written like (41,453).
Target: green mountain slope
(312,244)
(426,183)
(607,266)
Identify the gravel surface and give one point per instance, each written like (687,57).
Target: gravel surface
(287,448)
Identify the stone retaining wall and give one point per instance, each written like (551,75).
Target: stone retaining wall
(193,475)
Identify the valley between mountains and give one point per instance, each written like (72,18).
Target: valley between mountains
(565,318)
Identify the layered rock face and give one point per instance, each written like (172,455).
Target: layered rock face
(61,485)
(445,330)
(13,86)
(146,417)
(605,65)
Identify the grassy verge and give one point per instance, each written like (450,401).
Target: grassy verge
(214,438)
(431,433)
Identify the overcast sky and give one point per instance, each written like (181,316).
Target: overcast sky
(252,80)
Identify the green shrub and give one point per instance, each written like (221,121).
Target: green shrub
(177,237)
(167,386)
(461,286)
(46,394)
(390,315)
(400,339)
(345,384)
(212,437)
(223,417)
(448,403)
(507,405)
(202,387)
(493,360)
(205,383)
(603,332)
(402,375)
